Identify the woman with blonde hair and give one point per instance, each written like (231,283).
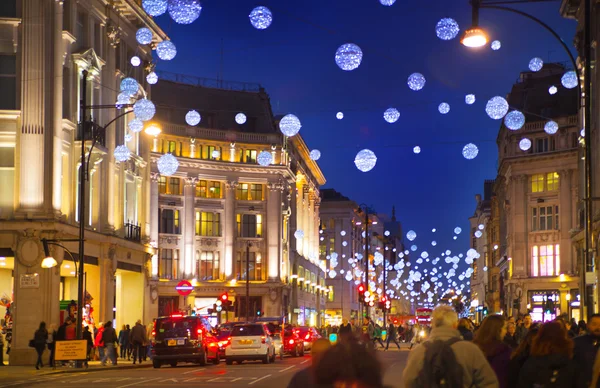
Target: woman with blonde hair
(490,339)
(466,329)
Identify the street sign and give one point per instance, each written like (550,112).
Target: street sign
(70,350)
(184,288)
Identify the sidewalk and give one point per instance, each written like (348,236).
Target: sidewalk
(94,366)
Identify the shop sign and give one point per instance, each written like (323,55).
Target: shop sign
(184,288)
(541,297)
(70,350)
(29,280)
(296,311)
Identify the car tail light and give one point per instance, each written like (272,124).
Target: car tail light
(307,336)
(199,331)
(291,342)
(153,333)
(263,339)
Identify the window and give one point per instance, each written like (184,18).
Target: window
(208,189)
(209,152)
(249,192)
(256,192)
(167,269)
(208,224)
(552,181)
(172,147)
(169,221)
(208,266)
(542,145)
(162,185)
(322,250)
(242,191)
(331,223)
(332,244)
(544,218)
(174,186)
(249,225)
(254,263)
(300,272)
(537,183)
(8,81)
(250,156)
(80,31)
(545,260)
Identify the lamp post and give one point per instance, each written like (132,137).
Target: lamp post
(365,208)
(248,281)
(475,37)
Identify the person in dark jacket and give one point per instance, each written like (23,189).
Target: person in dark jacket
(519,356)
(39,341)
(109,337)
(510,338)
(87,335)
(586,348)
(549,362)
(489,338)
(391,335)
(123,341)
(465,329)
(306,377)
(523,328)
(138,338)
(345,330)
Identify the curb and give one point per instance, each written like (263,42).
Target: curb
(98,369)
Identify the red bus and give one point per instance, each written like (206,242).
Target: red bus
(423,316)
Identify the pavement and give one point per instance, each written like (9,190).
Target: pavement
(125,374)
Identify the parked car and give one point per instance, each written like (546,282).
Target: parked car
(182,338)
(223,340)
(250,341)
(308,335)
(291,344)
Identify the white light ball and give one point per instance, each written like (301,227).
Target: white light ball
(299,234)
(447,29)
(413,248)
(433,243)
(261,18)
(551,127)
(470,99)
(478,233)
(416,81)
(496,45)
(240,118)
(339,115)
(470,151)
(135,61)
(417,150)
(136,125)
(454,238)
(525,144)
(144,109)
(216,154)
(143,35)
(122,153)
(167,165)
(315,155)
(569,80)
(514,120)
(166,50)
(155,7)
(290,125)
(411,235)
(444,108)
(496,107)
(129,86)
(365,160)
(387,3)
(536,64)
(123,99)
(457,230)
(184,11)
(152,78)
(332,273)
(391,115)
(348,56)
(264,158)
(193,118)
(552,90)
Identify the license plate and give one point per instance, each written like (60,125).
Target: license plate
(245,342)
(181,342)
(172,342)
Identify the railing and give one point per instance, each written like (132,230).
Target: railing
(209,82)
(92,131)
(133,232)
(218,134)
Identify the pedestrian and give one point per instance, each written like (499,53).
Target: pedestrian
(510,338)
(87,336)
(367,332)
(490,339)
(345,330)
(586,348)
(523,328)
(123,342)
(466,329)
(39,341)
(51,343)
(99,342)
(138,338)
(2,349)
(148,343)
(581,328)
(306,377)
(549,362)
(391,335)
(129,347)
(109,337)
(519,356)
(377,334)
(459,363)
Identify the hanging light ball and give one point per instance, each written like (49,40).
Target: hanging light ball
(496,107)
(128,137)
(444,108)
(536,64)
(417,150)
(193,118)
(122,153)
(514,120)
(261,18)
(365,160)
(167,165)
(144,109)
(166,50)
(240,118)
(416,81)
(184,11)
(135,61)
(129,86)
(569,80)
(411,235)
(551,127)
(496,45)
(143,35)
(447,29)
(299,234)
(470,99)
(387,3)
(478,233)
(123,99)
(136,125)
(470,151)
(457,230)
(264,158)
(339,115)
(155,7)
(525,144)
(290,125)
(391,115)
(315,155)
(348,56)
(215,154)
(552,90)
(152,78)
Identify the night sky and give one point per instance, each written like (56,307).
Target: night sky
(294,60)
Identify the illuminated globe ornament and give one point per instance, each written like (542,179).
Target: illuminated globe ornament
(348,56)
(444,108)
(299,234)
(470,151)
(447,29)
(136,125)
(261,18)
(514,120)
(387,3)
(536,64)
(143,35)
(166,50)
(411,235)
(551,127)
(135,61)
(152,78)
(122,153)
(496,45)
(215,154)
(184,11)
(122,99)
(332,273)
(155,7)
(144,109)
(496,108)
(240,118)
(413,248)
(365,160)
(552,90)
(417,150)
(569,80)
(339,115)
(416,81)
(457,230)
(193,118)
(391,115)
(470,99)
(481,227)
(264,158)
(129,86)
(167,165)
(290,125)
(315,155)
(525,144)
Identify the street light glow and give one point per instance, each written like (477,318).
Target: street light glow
(153,130)
(474,37)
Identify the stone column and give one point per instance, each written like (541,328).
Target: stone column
(273,232)
(154,177)
(299,218)
(306,216)
(107,285)
(57,112)
(229,232)
(187,264)
(565,214)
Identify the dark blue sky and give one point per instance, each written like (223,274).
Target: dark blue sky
(294,60)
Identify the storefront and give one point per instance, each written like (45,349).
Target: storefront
(129,294)
(574,302)
(538,301)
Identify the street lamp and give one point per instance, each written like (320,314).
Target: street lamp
(365,208)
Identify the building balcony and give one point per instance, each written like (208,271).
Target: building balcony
(256,242)
(133,232)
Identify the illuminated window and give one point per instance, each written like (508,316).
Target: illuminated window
(552,181)
(174,186)
(545,260)
(208,224)
(249,192)
(209,152)
(162,185)
(166,264)
(208,266)
(330,295)
(254,264)
(208,189)
(249,225)
(169,221)
(172,147)
(256,192)
(242,192)
(537,183)
(250,156)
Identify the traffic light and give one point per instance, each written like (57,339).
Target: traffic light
(388,305)
(361,290)
(224,301)
(382,303)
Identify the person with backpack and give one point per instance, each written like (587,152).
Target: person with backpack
(391,335)
(445,360)
(377,334)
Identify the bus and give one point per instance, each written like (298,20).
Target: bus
(423,316)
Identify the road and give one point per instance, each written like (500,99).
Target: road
(248,374)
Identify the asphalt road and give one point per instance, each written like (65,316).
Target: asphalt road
(250,374)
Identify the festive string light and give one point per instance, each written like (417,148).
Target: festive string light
(496,45)
(264,158)
(470,99)
(496,107)
(551,127)
(166,50)
(193,118)
(391,115)
(122,153)
(167,165)
(569,80)
(299,234)
(365,160)
(552,90)
(143,35)
(290,125)
(144,109)
(387,3)
(457,230)
(444,108)
(514,120)
(240,118)
(417,150)
(135,61)
(416,81)
(136,125)
(152,78)
(536,64)
(447,29)
(348,56)
(315,155)
(411,235)
(339,115)
(215,154)
(129,86)
(525,144)
(261,18)
(470,151)
(155,7)
(184,11)
(128,137)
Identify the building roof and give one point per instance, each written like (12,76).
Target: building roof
(331,195)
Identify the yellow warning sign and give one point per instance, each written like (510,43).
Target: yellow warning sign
(70,350)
